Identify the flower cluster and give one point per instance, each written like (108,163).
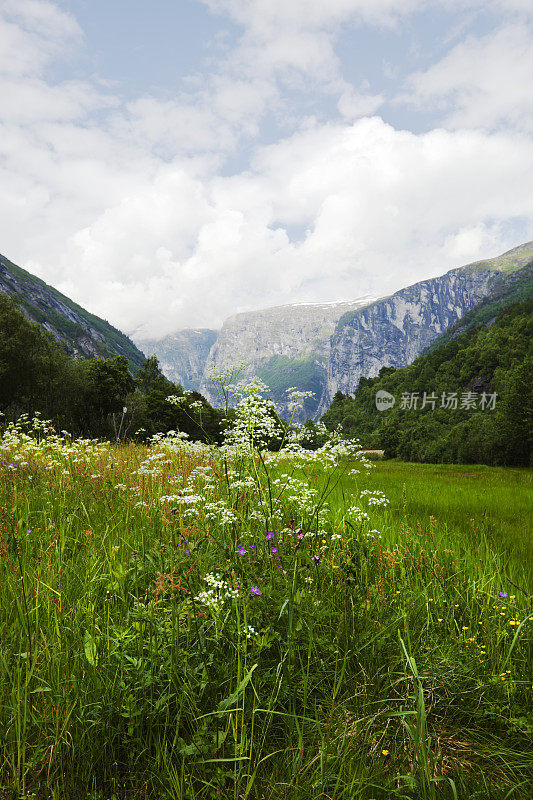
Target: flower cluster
(375,497)
(216,594)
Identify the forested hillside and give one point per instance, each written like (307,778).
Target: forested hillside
(80,333)
(468,401)
(87,397)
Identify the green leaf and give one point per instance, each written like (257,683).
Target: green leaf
(230,701)
(89,647)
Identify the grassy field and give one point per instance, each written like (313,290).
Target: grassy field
(182,622)
(482,507)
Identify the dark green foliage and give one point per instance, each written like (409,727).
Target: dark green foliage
(106,385)
(88,397)
(37,375)
(496,358)
(155,413)
(37,297)
(150,378)
(33,369)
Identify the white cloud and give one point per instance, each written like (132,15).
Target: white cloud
(44,18)
(291,45)
(32,33)
(354,104)
(379,208)
(30,100)
(521,7)
(483,82)
(123,206)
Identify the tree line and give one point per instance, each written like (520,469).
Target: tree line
(467,401)
(88,397)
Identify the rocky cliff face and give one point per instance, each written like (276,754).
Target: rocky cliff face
(285,346)
(395,330)
(182,355)
(83,335)
(325,348)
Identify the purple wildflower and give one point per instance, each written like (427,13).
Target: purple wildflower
(316,559)
(300,536)
(252,546)
(502,594)
(241,551)
(187,552)
(255,590)
(273,549)
(270,535)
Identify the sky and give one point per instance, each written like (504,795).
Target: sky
(168,164)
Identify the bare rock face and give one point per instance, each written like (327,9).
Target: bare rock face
(182,355)
(256,336)
(395,330)
(286,346)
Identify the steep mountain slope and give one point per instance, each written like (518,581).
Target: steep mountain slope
(182,355)
(82,335)
(285,346)
(468,400)
(510,261)
(393,331)
(508,288)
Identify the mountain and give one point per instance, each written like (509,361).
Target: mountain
(507,289)
(393,331)
(182,355)
(285,346)
(81,334)
(326,348)
(468,399)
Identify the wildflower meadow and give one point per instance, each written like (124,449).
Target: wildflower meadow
(190,621)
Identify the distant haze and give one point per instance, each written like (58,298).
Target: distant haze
(167,165)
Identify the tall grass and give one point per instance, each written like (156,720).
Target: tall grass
(186,622)
(477,507)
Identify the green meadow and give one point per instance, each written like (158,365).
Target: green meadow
(480,507)
(190,622)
